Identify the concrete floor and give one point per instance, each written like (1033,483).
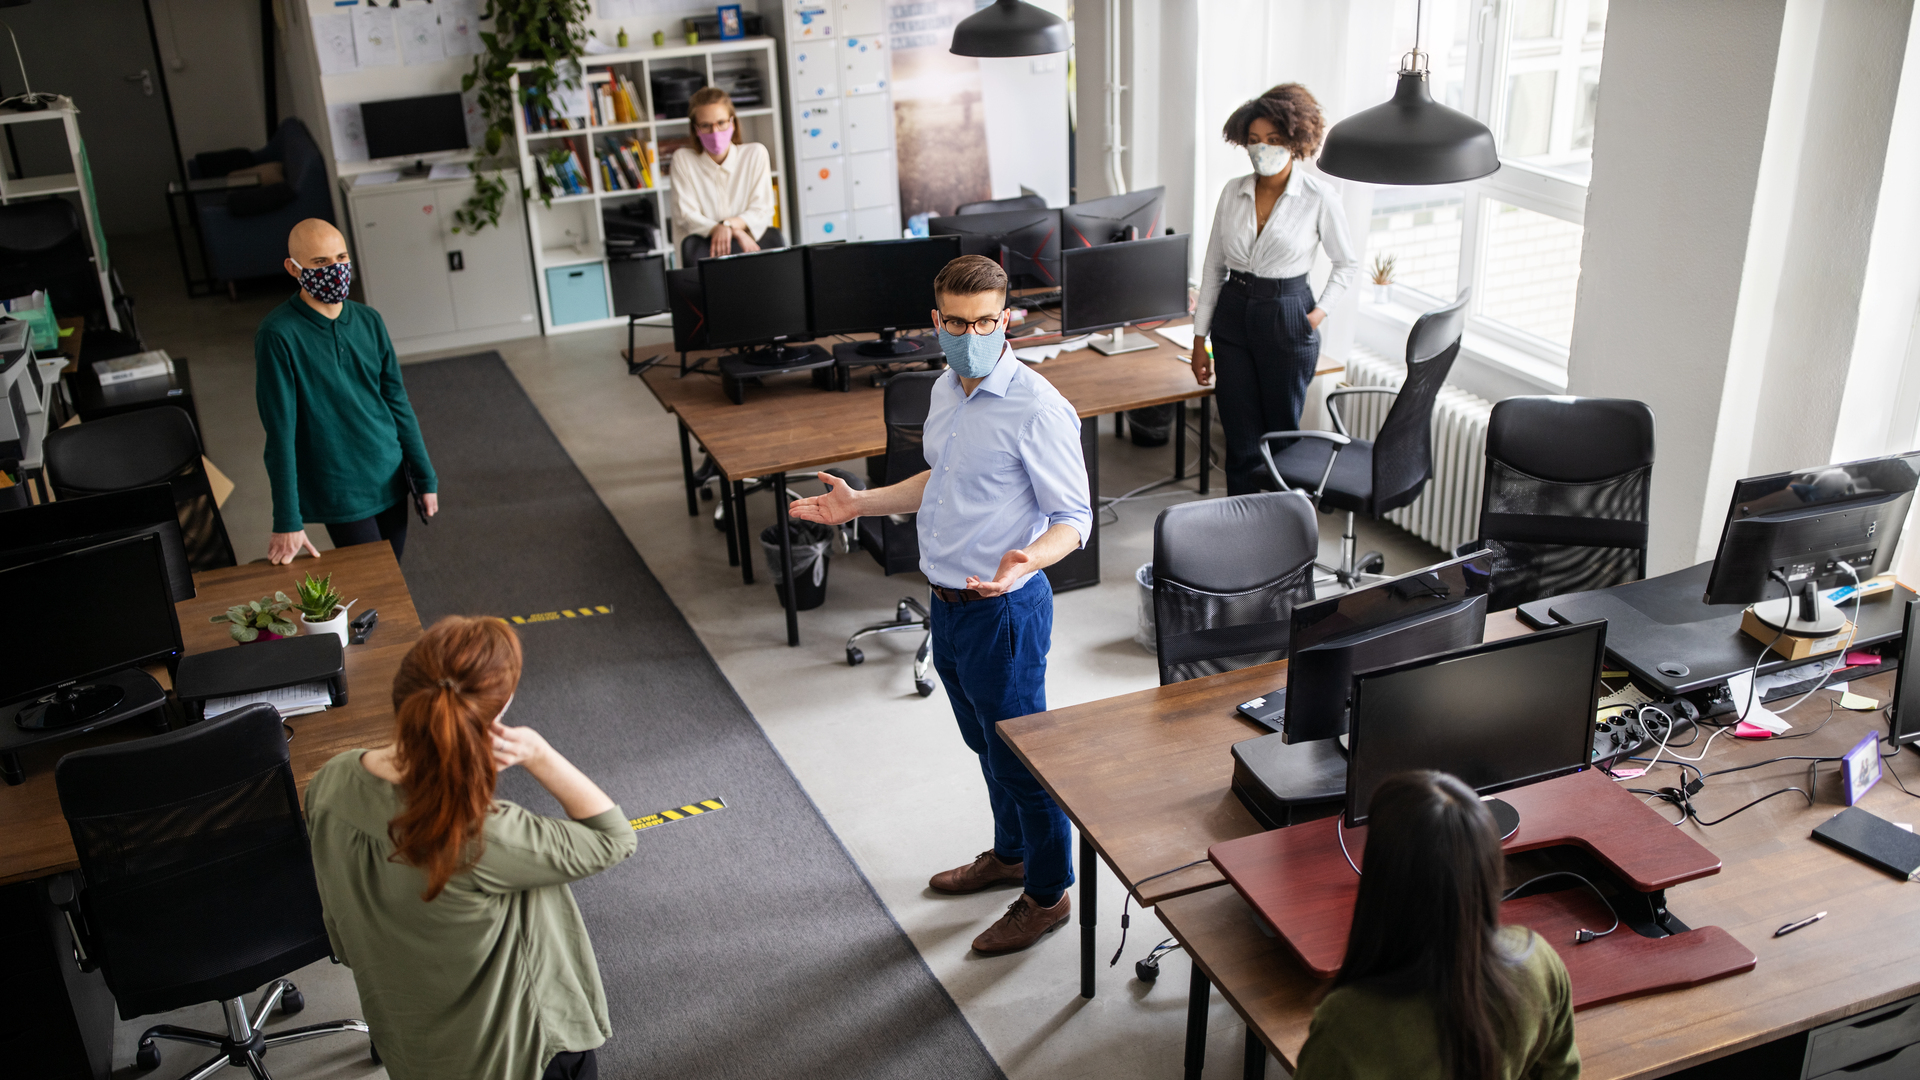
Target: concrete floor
(885,766)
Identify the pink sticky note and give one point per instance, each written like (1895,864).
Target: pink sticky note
(1862,658)
(1628,774)
(1744,730)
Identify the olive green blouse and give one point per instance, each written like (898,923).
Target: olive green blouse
(1361,1034)
(492,978)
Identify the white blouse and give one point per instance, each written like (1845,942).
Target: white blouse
(706,193)
(1307,215)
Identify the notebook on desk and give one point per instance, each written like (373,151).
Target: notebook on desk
(1873,840)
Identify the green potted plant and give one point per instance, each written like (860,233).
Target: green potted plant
(1381,275)
(321,609)
(259,620)
(552,35)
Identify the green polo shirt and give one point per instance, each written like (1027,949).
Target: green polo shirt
(338,422)
(1363,1034)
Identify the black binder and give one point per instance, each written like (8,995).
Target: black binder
(1872,840)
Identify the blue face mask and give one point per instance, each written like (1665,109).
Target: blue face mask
(971,355)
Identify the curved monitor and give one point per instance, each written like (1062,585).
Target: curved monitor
(1133,216)
(1026,243)
(1799,527)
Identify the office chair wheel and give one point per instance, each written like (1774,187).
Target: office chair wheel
(706,494)
(924,686)
(855,657)
(147,1057)
(373,1051)
(1371,563)
(292,1002)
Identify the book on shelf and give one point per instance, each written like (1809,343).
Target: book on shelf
(121,369)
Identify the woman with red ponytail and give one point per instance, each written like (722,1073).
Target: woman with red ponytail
(450,905)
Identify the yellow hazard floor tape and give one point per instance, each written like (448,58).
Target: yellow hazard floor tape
(564,613)
(678,813)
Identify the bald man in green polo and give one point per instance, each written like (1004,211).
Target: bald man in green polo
(342,440)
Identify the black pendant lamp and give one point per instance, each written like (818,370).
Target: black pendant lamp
(1411,139)
(1010,28)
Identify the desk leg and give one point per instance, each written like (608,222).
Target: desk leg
(1255,1066)
(1089,911)
(738,522)
(686,471)
(1206,441)
(1179,440)
(786,557)
(1119,424)
(1199,996)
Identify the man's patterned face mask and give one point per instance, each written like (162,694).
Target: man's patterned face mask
(327,284)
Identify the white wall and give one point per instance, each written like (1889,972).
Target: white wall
(211,52)
(1024,102)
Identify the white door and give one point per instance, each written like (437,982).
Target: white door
(817,129)
(869,122)
(870,178)
(879,223)
(859,17)
(825,228)
(402,263)
(815,71)
(823,186)
(864,59)
(487,271)
(806,21)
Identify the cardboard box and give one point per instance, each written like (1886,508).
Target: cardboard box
(1793,646)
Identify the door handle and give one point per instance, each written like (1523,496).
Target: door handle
(145,78)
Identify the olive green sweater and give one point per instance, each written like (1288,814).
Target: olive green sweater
(338,421)
(1362,1034)
(495,975)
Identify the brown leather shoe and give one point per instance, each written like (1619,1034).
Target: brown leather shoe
(984,872)
(1024,923)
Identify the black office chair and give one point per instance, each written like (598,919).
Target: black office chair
(150,446)
(1226,576)
(196,881)
(1564,507)
(43,245)
(696,247)
(1374,477)
(992,206)
(893,541)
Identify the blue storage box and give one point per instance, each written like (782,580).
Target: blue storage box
(577,293)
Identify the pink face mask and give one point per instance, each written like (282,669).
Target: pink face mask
(717,142)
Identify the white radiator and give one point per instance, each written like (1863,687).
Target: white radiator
(1447,513)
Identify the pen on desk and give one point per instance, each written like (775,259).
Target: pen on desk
(1792,926)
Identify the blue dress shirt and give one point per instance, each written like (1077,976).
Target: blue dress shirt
(1006,466)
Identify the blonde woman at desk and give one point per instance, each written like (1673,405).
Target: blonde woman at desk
(452,906)
(1433,987)
(1255,301)
(723,192)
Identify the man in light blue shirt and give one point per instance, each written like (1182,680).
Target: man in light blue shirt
(1004,497)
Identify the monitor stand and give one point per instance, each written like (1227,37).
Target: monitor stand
(1121,342)
(1506,820)
(779,356)
(69,706)
(1804,614)
(1282,783)
(890,345)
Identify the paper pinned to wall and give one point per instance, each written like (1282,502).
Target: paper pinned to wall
(333,40)
(419,33)
(349,135)
(459,28)
(374,38)
(476,119)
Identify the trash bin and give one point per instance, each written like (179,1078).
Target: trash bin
(1145,636)
(809,541)
(1151,426)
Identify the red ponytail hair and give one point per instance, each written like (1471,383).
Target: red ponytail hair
(452,684)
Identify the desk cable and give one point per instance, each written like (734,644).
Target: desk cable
(1340,831)
(1888,769)
(1583,935)
(1124,919)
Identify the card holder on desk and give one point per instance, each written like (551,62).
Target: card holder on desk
(1873,840)
(261,665)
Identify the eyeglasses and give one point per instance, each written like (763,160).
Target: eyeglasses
(983,326)
(703,127)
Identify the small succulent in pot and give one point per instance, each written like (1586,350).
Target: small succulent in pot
(265,616)
(318,599)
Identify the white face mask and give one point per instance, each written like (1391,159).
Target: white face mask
(1268,160)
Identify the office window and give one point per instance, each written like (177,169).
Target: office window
(1421,231)
(1588,102)
(1528,275)
(1529,114)
(1535,19)
(1596,16)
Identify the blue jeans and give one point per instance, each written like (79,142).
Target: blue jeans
(992,657)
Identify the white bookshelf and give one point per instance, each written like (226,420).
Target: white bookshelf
(77,181)
(566,230)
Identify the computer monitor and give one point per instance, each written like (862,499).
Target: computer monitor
(1903,724)
(882,286)
(405,127)
(759,298)
(78,616)
(32,533)
(1026,243)
(1497,716)
(1435,609)
(1133,216)
(1787,535)
(1109,286)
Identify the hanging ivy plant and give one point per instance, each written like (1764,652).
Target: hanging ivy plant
(550,33)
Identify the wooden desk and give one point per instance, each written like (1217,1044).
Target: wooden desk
(1773,873)
(1147,778)
(34,841)
(788,424)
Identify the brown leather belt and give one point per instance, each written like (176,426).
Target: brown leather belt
(958,596)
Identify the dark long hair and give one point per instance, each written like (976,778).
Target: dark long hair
(451,685)
(1428,913)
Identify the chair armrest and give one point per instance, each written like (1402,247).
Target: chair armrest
(63,892)
(1266,452)
(1339,424)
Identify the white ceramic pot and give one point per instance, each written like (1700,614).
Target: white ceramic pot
(336,625)
(1383,294)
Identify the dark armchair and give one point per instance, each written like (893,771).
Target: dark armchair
(245,228)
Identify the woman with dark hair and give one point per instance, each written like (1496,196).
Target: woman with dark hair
(452,906)
(1433,987)
(1255,301)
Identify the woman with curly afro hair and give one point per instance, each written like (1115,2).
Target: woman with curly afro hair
(1255,302)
